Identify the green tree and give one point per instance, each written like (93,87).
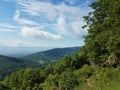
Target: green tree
(4,87)
(67,80)
(25,79)
(103,37)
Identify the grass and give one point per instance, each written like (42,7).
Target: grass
(114,85)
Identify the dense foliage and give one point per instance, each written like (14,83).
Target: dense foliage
(95,67)
(103,39)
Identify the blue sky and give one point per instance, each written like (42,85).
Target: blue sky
(42,23)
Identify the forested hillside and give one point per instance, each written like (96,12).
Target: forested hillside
(95,67)
(50,56)
(9,65)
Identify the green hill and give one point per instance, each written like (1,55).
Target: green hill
(9,64)
(52,55)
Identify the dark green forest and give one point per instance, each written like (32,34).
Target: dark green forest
(9,65)
(95,67)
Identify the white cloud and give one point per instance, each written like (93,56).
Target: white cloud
(61,26)
(36,8)
(67,19)
(22,20)
(49,10)
(5,27)
(77,29)
(48,21)
(70,28)
(52,25)
(40,34)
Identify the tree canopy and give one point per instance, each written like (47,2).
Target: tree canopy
(103,39)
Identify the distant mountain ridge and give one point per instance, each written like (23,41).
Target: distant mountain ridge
(51,55)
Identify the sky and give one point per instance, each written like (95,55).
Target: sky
(43,23)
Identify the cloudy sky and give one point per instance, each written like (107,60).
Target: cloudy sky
(42,23)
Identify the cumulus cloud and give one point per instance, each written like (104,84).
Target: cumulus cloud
(40,34)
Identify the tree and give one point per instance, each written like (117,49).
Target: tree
(67,81)
(103,37)
(4,87)
(25,79)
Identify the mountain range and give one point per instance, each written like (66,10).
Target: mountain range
(50,55)
(39,59)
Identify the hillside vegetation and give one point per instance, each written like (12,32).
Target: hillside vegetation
(95,67)
(9,65)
